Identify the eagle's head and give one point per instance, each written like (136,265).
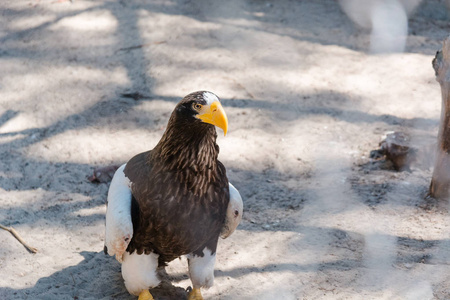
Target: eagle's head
(203,107)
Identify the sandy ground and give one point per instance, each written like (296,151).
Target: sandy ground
(306,102)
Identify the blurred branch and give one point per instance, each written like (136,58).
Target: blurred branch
(140,46)
(19,238)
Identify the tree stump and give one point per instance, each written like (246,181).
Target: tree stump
(440,181)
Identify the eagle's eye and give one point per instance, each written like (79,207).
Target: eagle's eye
(197,106)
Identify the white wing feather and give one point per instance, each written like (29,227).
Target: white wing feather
(234,213)
(119,227)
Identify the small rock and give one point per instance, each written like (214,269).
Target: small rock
(396,148)
(104,174)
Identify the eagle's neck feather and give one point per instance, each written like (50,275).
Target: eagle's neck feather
(188,145)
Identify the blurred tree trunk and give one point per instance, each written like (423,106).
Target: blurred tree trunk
(440,182)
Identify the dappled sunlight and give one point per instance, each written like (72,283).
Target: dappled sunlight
(97,21)
(90,84)
(96,142)
(34,200)
(36,213)
(25,23)
(37,109)
(243,23)
(152,24)
(13,126)
(263,262)
(49,241)
(242,150)
(100,138)
(89,212)
(263,68)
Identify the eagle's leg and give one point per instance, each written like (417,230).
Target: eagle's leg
(145,295)
(195,294)
(139,273)
(201,272)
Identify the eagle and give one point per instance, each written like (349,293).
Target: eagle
(174,200)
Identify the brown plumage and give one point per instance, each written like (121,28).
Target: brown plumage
(180,190)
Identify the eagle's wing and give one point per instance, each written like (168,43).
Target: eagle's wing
(234,213)
(119,226)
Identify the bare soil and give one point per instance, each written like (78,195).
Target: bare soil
(86,84)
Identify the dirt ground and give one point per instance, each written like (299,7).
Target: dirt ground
(86,84)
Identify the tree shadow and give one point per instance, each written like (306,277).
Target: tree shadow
(8,115)
(127,17)
(309,105)
(79,282)
(264,205)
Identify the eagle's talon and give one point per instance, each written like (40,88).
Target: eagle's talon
(195,294)
(145,295)
(119,257)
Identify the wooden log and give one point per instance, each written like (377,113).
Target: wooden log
(440,181)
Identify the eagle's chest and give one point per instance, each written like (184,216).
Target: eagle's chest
(184,203)
(190,199)
(178,209)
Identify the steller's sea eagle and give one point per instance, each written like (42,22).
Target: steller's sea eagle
(174,200)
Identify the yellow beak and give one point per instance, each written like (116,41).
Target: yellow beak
(215,115)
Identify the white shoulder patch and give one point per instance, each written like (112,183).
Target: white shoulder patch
(119,227)
(234,213)
(210,97)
